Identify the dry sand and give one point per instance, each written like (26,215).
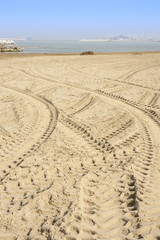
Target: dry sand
(80,147)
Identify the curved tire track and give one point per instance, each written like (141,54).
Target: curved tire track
(39,130)
(143,179)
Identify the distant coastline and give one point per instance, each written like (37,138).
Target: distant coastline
(77,46)
(99,45)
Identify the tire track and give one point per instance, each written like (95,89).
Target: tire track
(133,191)
(154,99)
(39,131)
(81,105)
(121,81)
(150,112)
(141,179)
(105,212)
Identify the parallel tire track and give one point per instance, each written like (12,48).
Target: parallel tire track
(129,203)
(39,130)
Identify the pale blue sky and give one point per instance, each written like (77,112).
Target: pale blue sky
(75,19)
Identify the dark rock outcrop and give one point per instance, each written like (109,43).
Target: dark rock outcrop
(10,49)
(87,53)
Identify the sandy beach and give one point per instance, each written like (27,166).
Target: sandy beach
(80,146)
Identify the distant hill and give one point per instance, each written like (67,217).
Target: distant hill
(117,38)
(121,38)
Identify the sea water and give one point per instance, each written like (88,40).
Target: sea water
(75,46)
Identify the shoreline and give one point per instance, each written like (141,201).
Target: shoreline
(18,54)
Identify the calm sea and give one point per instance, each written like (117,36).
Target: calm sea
(36,46)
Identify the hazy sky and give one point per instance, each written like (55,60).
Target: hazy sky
(76,19)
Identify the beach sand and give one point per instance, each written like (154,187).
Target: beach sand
(80,146)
